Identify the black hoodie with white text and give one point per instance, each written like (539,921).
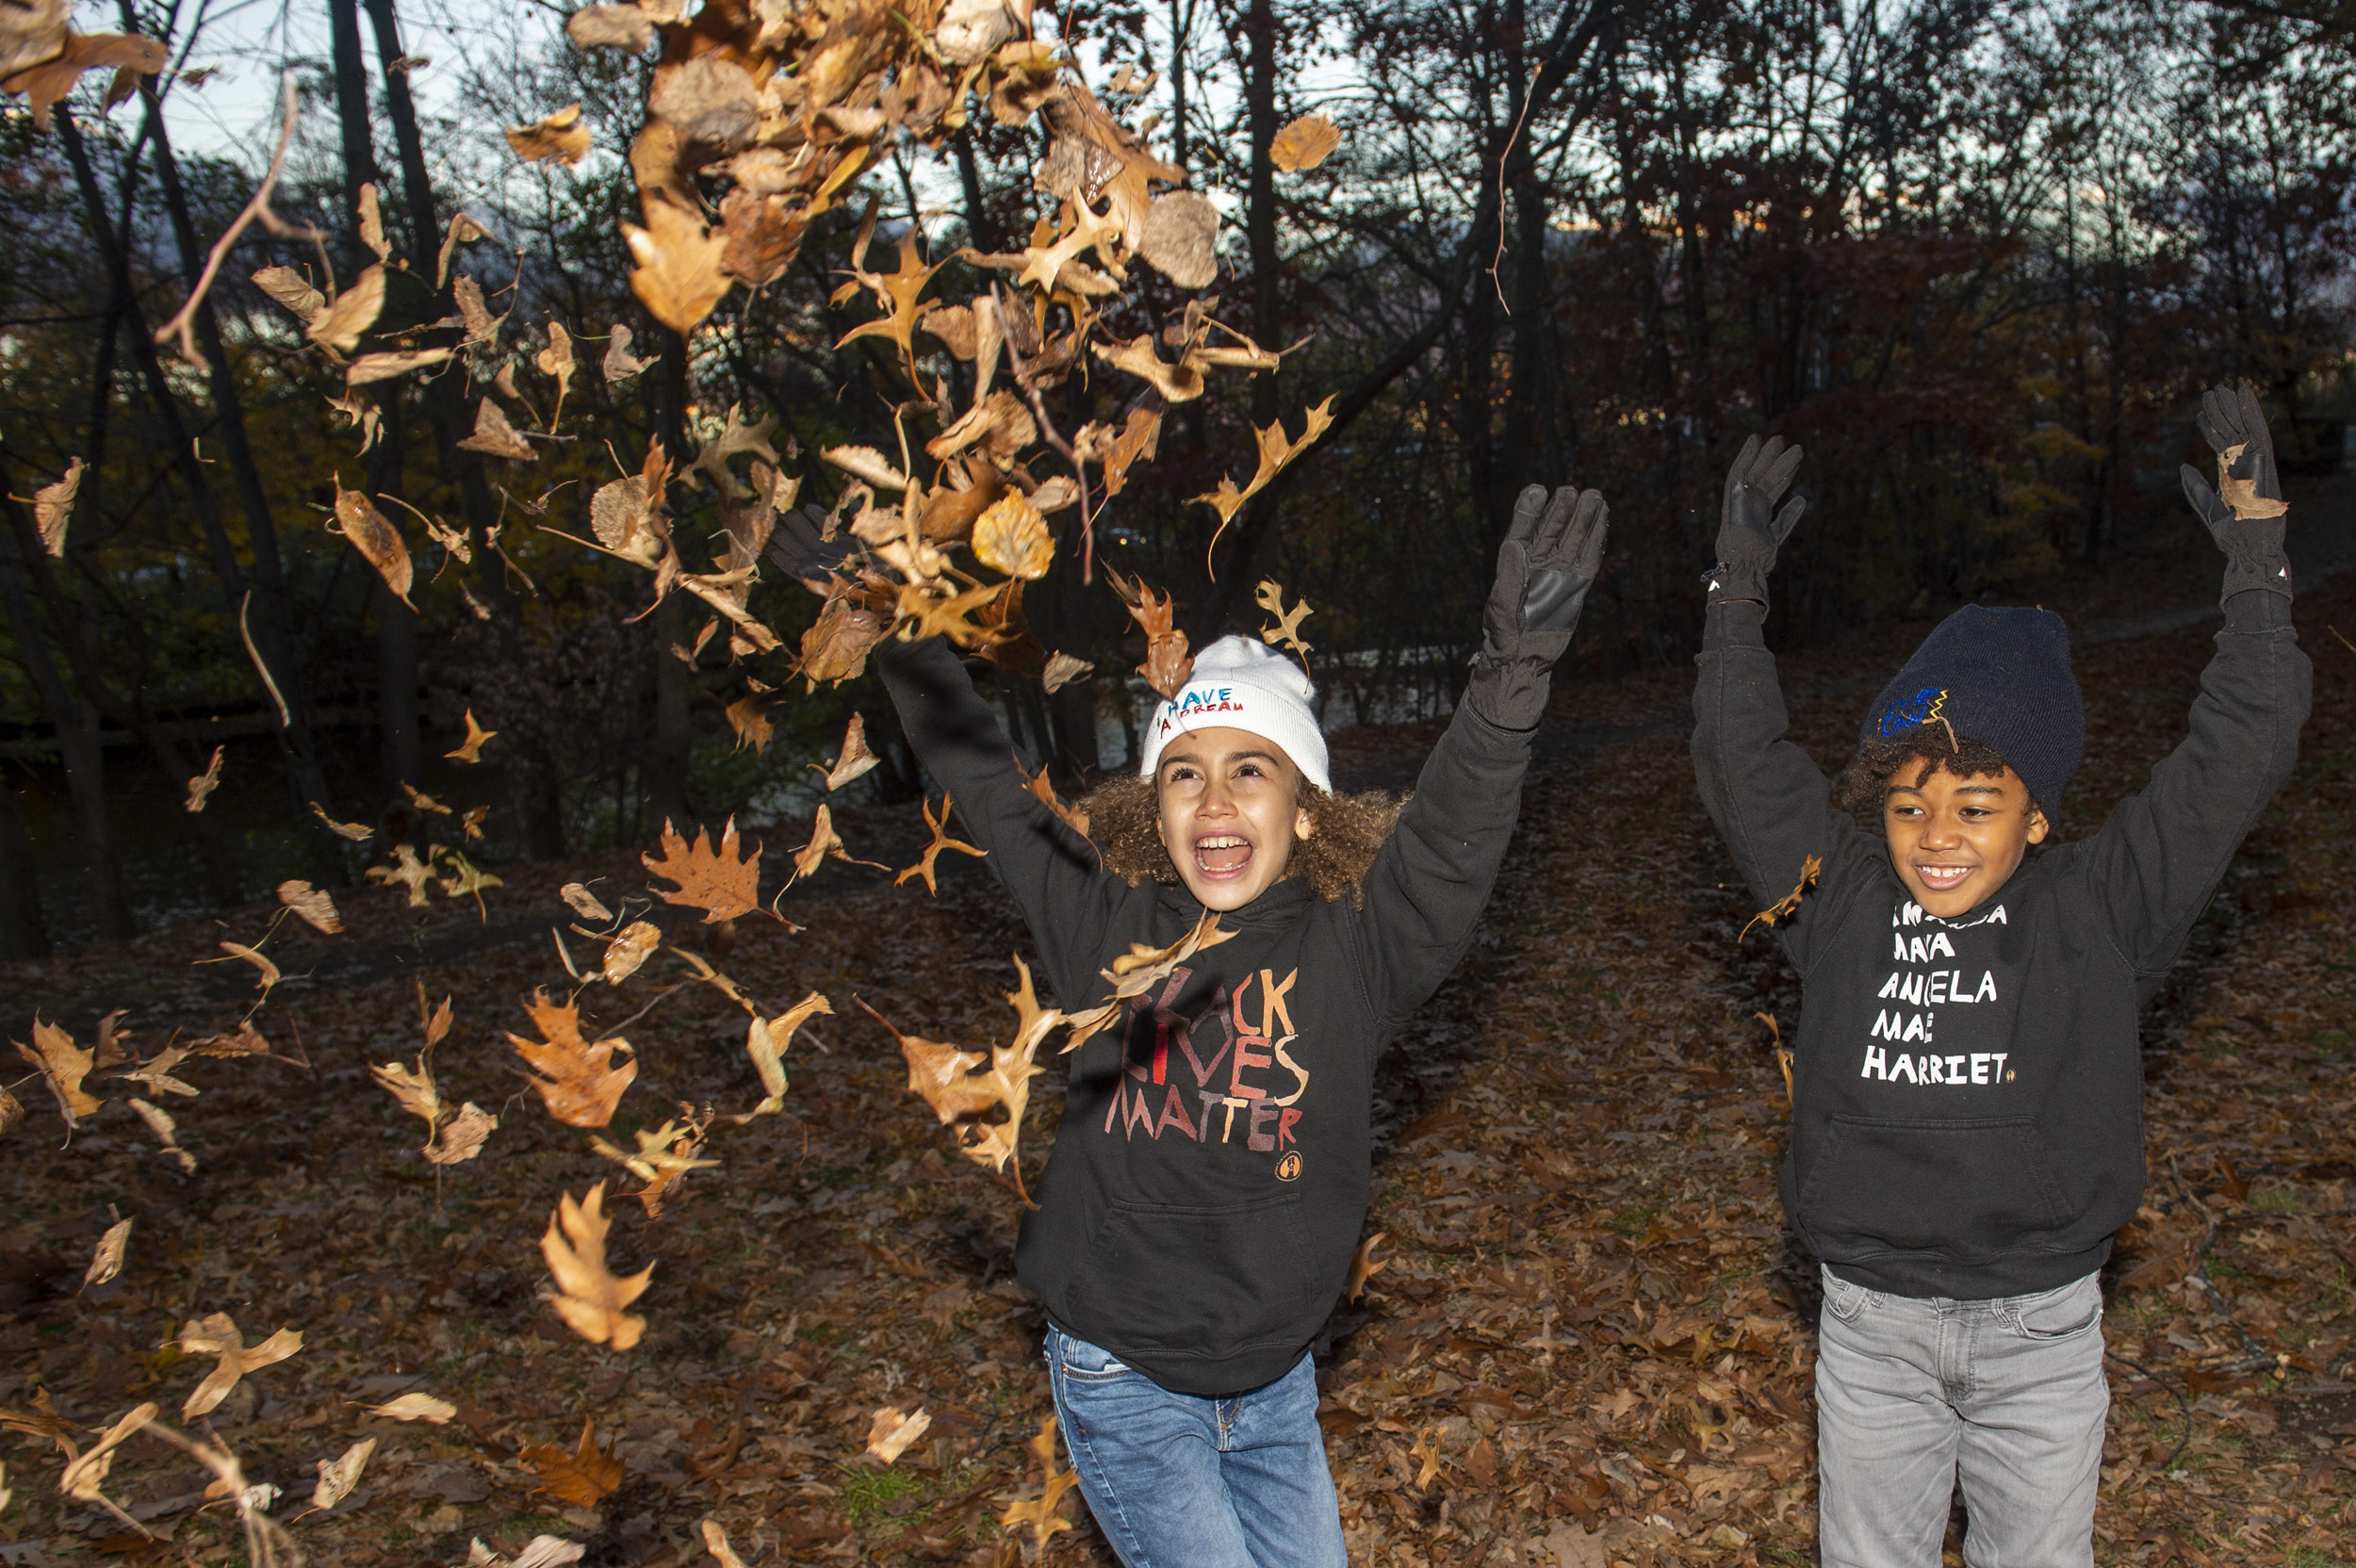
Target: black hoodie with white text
(1210,1175)
(1968,1092)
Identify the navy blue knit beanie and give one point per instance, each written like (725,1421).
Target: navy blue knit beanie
(2001,678)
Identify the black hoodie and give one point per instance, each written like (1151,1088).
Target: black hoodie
(1210,1178)
(1968,1093)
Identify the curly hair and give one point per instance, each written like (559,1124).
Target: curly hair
(1345,833)
(1865,782)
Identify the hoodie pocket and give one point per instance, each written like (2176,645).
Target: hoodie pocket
(1962,1189)
(1224,1276)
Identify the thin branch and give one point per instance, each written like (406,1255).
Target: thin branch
(256,211)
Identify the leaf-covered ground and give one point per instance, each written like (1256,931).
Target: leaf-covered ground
(1591,1340)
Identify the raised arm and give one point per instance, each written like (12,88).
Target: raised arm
(1426,889)
(1769,800)
(2159,858)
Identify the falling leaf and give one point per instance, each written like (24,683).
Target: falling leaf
(156,1072)
(738,437)
(85,1475)
(664,1155)
(825,842)
(890,1431)
(1178,384)
(577,1079)
(350,313)
(967,1089)
(375,537)
(423,801)
(556,360)
(677,277)
(583,903)
(202,787)
(1286,631)
(245,1041)
(1140,969)
(63,1066)
(868,464)
(619,363)
(709,878)
(218,1334)
(748,715)
(386,365)
(1276,451)
(357,832)
(415,1407)
(1166,662)
(338,1475)
(494,436)
(11,1112)
(412,1088)
(1012,537)
(1363,1266)
(633,947)
(717,1543)
(460,1137)
(852,759)
(895,292)
(266,973)
(45,83)
(1039,1513)
(372,223)
(313,906)
(765,1042)
(588,1475)
(291,289)
(941,841)
(106,1260)
(1305,144)
(1062,670)
(406,870)
(590,1300)
(1070,816)
(1789,905)
(53,507)
(559,135)
(471,750)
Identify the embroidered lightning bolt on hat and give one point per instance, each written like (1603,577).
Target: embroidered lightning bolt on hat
(2000,677)
(1240,684)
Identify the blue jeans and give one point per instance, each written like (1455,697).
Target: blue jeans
(2005,1396)
(1180,1481)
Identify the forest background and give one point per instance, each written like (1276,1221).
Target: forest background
(1976,256)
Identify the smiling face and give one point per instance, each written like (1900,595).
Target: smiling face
(1957,840)
(1230,804)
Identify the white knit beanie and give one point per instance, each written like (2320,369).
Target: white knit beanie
(1240,684)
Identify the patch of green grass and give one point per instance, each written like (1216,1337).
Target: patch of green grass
(2331,1043)
(869,1494)
(2275,1200)
(1628,1221)
(2314,1556)
(2217,1268)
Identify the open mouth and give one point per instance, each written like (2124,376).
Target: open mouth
(1943,879)
(1222,857)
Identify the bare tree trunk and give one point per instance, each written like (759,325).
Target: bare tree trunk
(22,931)
(77,726)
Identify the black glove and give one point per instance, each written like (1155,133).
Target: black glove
(1548,562)
(2247,520)
(797,549)
(1750,529)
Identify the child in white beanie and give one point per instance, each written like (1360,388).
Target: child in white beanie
(1206,1193)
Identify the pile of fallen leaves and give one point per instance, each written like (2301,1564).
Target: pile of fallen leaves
(287,1317)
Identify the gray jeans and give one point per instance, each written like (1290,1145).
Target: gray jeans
(1914,1395)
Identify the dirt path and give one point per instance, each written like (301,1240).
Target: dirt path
(1590,1320)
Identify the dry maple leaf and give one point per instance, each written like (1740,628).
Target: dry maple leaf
(630,947)
(663,1157)
(53,508)
(679,276)
(590,1300)
(1789,905)
(1139,971)
(45,83)
(708,878)
(1011,537)
(941,841)
(1305,144)
(1363,1266)
(577,1079)
(312,905)
(218,1334)
(1039,1513)
(471,750)
(748,715)
(889,1432)
(559,135)
(338,1475)
(584,1477)
(852,759)
(106,1260)
(765,1042)
(63,1066)
(204,784)
(970,1089)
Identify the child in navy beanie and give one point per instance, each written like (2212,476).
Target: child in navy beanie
(1967,1085)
